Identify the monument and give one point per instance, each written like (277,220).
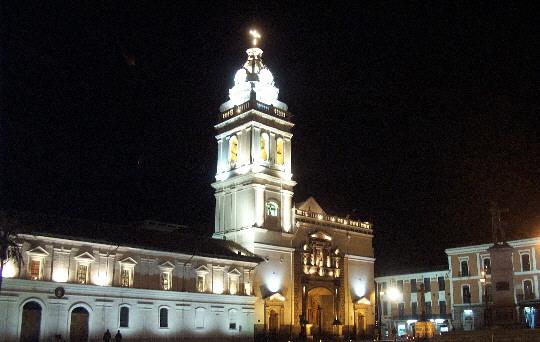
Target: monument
(502,311)
(424,328)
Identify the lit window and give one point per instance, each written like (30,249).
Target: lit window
(201,286)
(264,146)
(272,209)
(525,262)
(82,274)
(35,269)
(124,317)
(279,151)
(233,285)
(163,318)
(165,280)
(233,150)
(126,276)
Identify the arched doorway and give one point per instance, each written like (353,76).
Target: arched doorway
(320,310)
(78,328)
(31,322)
(273,324)
(360,324)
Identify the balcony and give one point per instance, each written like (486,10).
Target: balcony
(343,223)
(253,104)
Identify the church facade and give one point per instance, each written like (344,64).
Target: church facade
(317,273)
(272,269)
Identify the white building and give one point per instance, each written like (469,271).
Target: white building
(273,267)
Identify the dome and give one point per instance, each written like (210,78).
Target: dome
(253,75)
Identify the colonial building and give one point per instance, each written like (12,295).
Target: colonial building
(471,286)
(317,273)
(398,300)
(157,283)
(273,268)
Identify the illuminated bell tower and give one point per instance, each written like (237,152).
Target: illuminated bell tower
(254,185)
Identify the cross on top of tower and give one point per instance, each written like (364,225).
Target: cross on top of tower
(255,36)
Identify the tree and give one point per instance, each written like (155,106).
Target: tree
(9,245)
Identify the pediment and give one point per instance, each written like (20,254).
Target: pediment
(320,236)
(128,261)
(167,265)
(85,257)
(202,269)
(235,272)
(277,296)
(311,205)
(364,300)
(38,251)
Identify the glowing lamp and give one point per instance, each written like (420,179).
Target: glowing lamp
(9,270)
(60,275)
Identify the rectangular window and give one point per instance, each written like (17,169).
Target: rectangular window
(428,309)
(166,280)
(200,284)
(35,269)
(427,284)
(125,277)
(464,264)
(385,308)
(442,308)
(401,310)
(525,262)
(400,285)
(528,290)
(413,286)
(82,274)
(124,317)
(414,306)
(442,284)
(487,265)
(466,294)
(233,285)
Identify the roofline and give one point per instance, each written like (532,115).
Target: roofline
(244,258)
(485,246)
(412,275)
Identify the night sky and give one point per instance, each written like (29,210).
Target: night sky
(413,117)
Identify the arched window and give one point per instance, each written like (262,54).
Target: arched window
(232,319)
(124,317)
(279,152)
(272,209)
(264,146)
(233,150)
(163,318)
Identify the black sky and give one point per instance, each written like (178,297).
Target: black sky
(411,116)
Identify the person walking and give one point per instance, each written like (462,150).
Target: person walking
(107,336)
(118,336)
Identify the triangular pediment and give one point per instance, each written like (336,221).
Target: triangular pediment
(202,269)
(311,205)
(85,257)
(128,261)
(235,272)
(38,251)
(167,264)
(364,301)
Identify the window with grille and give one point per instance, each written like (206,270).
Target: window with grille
(125,277)
(200,284)
(35,269)
(272,209)
(165,280)
(82,274)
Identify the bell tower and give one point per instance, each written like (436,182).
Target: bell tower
(254,185)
